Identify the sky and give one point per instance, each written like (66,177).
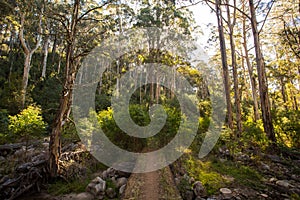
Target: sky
(203,16)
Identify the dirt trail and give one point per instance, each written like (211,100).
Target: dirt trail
(156,185)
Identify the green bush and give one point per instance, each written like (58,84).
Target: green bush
(254,133)
(140,116)
(28,124)
(287,128)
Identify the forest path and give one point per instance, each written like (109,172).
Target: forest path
(155,185)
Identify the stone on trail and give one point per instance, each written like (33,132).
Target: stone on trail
(121,181)
(227,193)
(284,183)
(264,195)
(84,196)
(97,186)
(199,190)
(122,189)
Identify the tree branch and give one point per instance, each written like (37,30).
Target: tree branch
(95,8)
(21,35)
(264,21)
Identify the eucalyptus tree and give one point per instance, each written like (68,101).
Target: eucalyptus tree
(84,25)
(231,22)
(30,35)
(226,78)
(262,79)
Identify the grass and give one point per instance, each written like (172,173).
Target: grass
(202,171)
(77,185)
(215,174)
(63,187)
(242,174)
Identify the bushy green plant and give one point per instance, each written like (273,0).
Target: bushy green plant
(27,124)
(287,127)
(140,115)
(254,133)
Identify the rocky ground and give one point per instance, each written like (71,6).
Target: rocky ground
(244,175)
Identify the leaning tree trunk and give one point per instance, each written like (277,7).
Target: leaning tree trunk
(224,64)
(262,79)
(66,99)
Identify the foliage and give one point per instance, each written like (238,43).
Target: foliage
(242,174)
(287,127)
(202,171)
(46,93)
(140,116)
(215,174)
(29,123)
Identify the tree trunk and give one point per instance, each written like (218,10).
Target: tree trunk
(224,64)
(250,71)
(28,52)
(283,93)
(46,46)
(231,25)
(262,79)
(66,99)
(26,70)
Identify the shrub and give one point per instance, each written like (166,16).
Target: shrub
(28,124)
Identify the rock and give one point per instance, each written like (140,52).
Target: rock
(111,172)
(84,196)
(122,189)
(113,180)
(177,181)
(264,195)
(226,193)
(121,181)
(97,186)
(186,177)
(273,179)
(284,183)
(111,193)
(189,195)
(242,157)
(90,187)
(104,174)
(192,180)
(97,180)
(265,166)
(100,196)
(45,145)
(2,159)
(199,190)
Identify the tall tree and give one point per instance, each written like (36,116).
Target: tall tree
(262,79)
(249,65)
(231,21)
(224,63)
(78,29)
(27,49)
